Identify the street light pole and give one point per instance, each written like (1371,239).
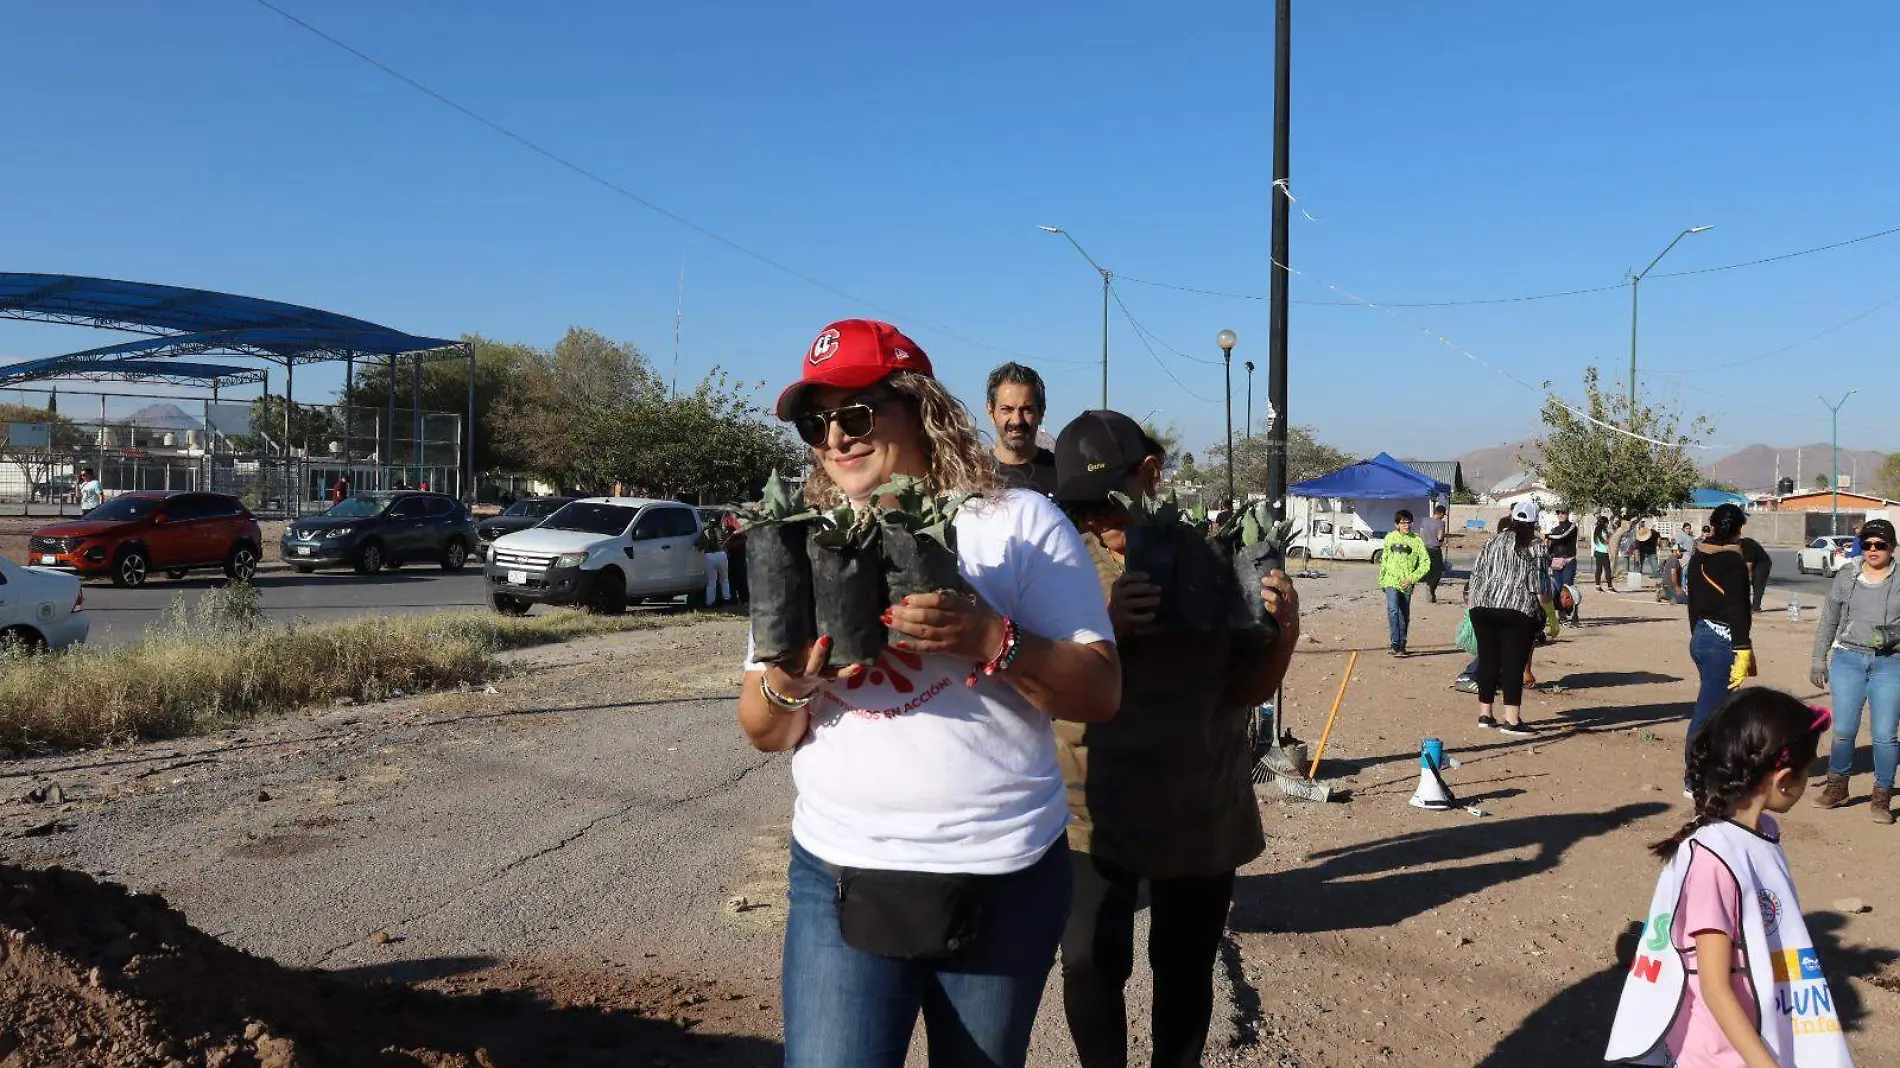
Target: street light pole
(1226,339)
(1834,481)
(1247,434)
(1277,276)
(1637,279)
(1107,280)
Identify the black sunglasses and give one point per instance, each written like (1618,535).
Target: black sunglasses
(1875,546)
(856,420)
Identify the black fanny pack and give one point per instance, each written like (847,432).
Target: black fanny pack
(909,915)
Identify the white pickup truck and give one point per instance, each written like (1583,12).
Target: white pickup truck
(600,553)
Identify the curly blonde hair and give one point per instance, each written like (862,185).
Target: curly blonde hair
(959,463)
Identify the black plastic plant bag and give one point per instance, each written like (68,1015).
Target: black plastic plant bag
(778,566)
(915,564)
(848,596)
(1252,563)
(1153,549)
(1204,583)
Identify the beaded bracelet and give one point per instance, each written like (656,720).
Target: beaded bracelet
(1006,654)
(779,700)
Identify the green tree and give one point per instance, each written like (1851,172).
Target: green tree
(1594,465)
(1887,479)
(1307,457)
(445,389)
(312,428)
(1820,481)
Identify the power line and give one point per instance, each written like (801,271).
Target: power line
(620,190)
(1836,328)
(1156,338)
(1142,336)
(1528,297)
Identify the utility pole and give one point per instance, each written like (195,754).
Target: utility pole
(1834,481)
(1277,278)
(1107,283)
(1635,280)
(1247,434)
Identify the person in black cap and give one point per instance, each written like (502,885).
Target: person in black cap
(1164,792)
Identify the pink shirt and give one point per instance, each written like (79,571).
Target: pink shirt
(1711,901)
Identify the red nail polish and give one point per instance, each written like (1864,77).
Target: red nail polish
(905,601)
(825,642)
(886,617)
(905,646)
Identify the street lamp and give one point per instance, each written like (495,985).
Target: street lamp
(1834,482)
(1248,433)
(1106,276)
(1226,339)
(1635,279)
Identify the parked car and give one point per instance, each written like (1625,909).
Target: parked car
(134,534)
(520,515)
(371,531)
(40,609)
(601,553)
(1824,555)
(59,489)
(1350,543)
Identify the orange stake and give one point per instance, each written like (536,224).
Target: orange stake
(1331,716)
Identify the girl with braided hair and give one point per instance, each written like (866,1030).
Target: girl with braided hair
(1726,975)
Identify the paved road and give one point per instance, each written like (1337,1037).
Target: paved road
(120,616)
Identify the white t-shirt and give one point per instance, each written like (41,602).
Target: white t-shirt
(906,767)
(90,494)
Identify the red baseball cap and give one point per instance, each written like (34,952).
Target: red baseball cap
(852,354)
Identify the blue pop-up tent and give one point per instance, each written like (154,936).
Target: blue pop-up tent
(1377,488)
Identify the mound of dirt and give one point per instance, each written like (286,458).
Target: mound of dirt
(93,975)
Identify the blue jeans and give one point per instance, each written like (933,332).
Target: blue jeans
(1714,657)
(1398,614)
(1563,576)
(845,1008)
(1856,679)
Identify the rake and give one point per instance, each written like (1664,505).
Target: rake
(1276,767)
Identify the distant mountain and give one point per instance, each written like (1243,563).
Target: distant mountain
(1485,468)
(1754,467)
(164,417)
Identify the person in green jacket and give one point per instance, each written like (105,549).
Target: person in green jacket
(1403,561)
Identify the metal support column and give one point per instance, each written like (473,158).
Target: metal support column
(415,413)
(293,494)
(1277,279)
(470,487)
(387,459)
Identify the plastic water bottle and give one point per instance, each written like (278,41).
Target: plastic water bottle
(1794,609)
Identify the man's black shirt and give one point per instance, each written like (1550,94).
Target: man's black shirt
(1038,474)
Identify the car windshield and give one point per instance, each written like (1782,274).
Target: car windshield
(124,509)
(534,509)
(590,518)
(357,507)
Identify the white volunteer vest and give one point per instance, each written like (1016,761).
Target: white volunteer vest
(1792,1001)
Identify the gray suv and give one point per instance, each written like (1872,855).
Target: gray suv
(371,531)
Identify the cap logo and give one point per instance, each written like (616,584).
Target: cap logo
(824,348)
(899,355)
(1097,467)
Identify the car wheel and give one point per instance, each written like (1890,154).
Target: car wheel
(24,640)
(1376,553)
(370,559)
(1298,552)
(131,568)
(455,556)
(506,604)
(606,593)
(241,565)
(176,573)
(695,600)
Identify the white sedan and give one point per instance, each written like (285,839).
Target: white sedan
(1824,555)
(40,609)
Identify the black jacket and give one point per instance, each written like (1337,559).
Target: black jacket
(1563,540)
(1719,589)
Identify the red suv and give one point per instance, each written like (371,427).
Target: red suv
(134,534)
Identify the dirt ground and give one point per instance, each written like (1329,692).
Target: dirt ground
(1370,933)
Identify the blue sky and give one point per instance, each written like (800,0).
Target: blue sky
(905,154)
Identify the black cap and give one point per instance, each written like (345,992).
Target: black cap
(1095,453)
(1877,528)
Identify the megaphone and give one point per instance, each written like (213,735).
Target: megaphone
(1432,793)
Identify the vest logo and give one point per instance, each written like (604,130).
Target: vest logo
(1647,968)
(1770,911)
(1792,964)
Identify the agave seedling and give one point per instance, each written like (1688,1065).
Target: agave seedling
(918,540)
(778,565)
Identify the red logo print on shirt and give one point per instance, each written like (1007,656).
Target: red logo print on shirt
(882,667)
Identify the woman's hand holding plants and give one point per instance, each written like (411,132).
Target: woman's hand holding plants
(955,624)
(799,676)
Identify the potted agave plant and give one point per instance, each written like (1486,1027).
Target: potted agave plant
(917,540)
(778,565)
(847,583)
(1258,546)
(1162,543)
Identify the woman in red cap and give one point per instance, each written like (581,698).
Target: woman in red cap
(929,868)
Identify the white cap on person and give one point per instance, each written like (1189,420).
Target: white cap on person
(1525,512)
